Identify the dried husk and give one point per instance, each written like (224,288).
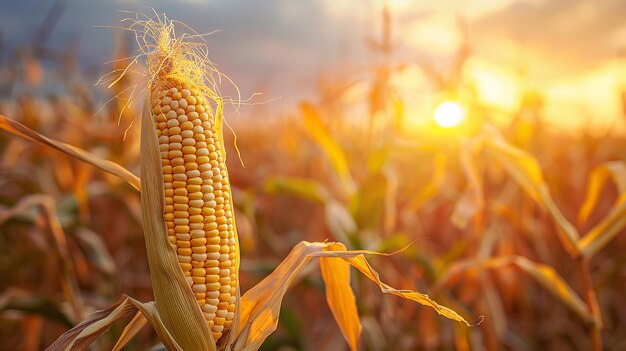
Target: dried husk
(174,299)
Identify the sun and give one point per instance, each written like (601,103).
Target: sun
(449,114)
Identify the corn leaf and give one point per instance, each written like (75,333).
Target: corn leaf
(597,179)
(86,332)
(543,274)
(132,328)
(44,305)
(174,299)
(96,250)
(304,188)
(318,132)
(471,201)
(22,131)
(370,202)
(58,240)
(260,306)
(603,232)
(338,218)
(525,171)
(433,187)
(340,297)
(357,260)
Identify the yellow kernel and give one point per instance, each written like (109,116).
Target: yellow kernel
(192,188)
(179,184)
(189,149)
(186,126)
(213,286)
(190,166)
(184,251)
(180,207)
(198,272)
(195,218)
(181,192)
(181,214)
(195,196)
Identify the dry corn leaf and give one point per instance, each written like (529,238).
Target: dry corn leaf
(260,306)
(615,170)
(340,297)
(96,251)
(369,205)
(83,334)
(46,306)
(603,232)
(525,170)
(471,201)
(132,328)
(338,218)
(317,131)
(357,260)
(543,274)
(435,183)
(22,131)
(47,206)
(86,332)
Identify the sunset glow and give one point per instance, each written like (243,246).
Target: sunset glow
(449,114)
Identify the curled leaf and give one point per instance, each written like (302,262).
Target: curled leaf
(260,306)
(357,260)
(603,232)
(597,179)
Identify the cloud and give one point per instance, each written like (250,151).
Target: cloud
(573,34)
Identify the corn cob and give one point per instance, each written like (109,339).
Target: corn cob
(198,207)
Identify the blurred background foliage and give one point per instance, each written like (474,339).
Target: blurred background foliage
(501,212)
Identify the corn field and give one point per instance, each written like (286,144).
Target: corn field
(158,205)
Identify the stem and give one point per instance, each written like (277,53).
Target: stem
(591,300)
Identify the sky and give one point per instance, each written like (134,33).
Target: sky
(569,50)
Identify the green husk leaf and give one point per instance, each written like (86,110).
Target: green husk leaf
(304,188)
